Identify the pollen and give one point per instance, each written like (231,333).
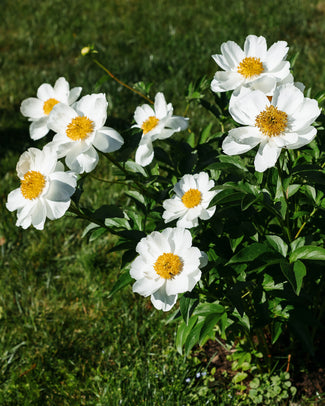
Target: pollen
(191,198)
(271,121)
(149,124)
(48,105)
(32,184)
(168,265)
(250,66)
(80,128)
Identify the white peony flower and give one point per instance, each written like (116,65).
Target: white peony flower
(283,122)
(80,129)
(45,189)
(167,265)
(255,66)
(191,201)
(38,109)
(157,123)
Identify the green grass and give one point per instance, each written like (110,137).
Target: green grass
(63,341)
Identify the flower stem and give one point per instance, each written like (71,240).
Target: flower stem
(120,82)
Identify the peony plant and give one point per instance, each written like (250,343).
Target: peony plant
(225,228)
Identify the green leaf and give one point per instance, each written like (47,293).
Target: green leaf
(90,227)
(97,233)
(310,252)
(205,133)
(226,196)
(136,196)
(299,270)
(183,332)
(249,253)
(239,377)
(278,244)
(193,337)
(123,280)
(187,304)
(292,189)
(208,308)
(208,326)
(117,222)
(276,331)
(248,200)
(289,274)
(131,166)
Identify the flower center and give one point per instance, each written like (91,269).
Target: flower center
(32,184)
(271,121)
(168,265)
(250,66)
(191,198)
(149,124)
(80,128)
(48,105)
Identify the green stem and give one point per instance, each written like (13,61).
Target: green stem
(286,218)
(304,224)
(120,82)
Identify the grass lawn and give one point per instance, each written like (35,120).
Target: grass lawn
(63,340)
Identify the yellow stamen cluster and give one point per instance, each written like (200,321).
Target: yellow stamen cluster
(32,184)
(271,121)
(191,198)
(149,124)
(250,66)
(48,105)
(168,265)
(80,128)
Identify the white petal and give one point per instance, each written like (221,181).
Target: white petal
(146,287)
(265,84)
(38,215)
(74,94)
(160,106)
(138,267)
(144,154)
(305,136)
(38,129)
(15,200)
(61,90)
(247,107)
(107,140)
(32,107)
(81,161)
(162,301)
(306,115)
(94,106)
(177,123)
(241,140)
(288,98)
(222,62)
(255,46)
(61,115)
(59,191)
(206,214)
(286,139)
(140,115)
(56,210)
(181,240)
(232,53)
(266,157)
(224,81)
(275,54)
(281,71)
(45,92)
